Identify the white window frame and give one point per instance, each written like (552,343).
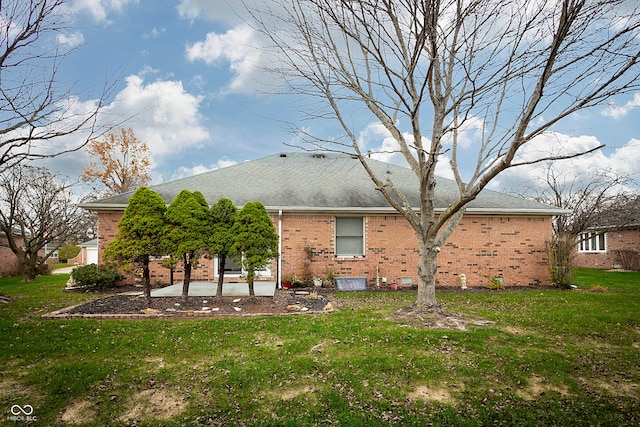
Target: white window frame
(593,242)
(362,236)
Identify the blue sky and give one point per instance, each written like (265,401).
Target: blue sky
(190,85)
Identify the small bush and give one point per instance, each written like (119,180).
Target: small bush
(629,259)
(560,254)
(95,277)
(496,283)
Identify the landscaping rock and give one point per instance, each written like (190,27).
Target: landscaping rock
(150,311)
(328,307)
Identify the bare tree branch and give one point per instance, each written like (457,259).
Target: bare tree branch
(37,109)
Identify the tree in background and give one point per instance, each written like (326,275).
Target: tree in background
(37,210)
(427,71)
(139,235)
(223,216)
(120,162)
(256,241)
(68,251)
(187,232)
(602,197)
(36,107)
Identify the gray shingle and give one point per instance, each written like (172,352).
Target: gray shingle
(330,181)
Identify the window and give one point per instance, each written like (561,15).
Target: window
(233,268)
(350,236)
(592,242)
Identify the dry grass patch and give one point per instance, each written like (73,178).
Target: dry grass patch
(538,386)
(437,394)
(617,388)
(78,413)
(515,331)
(10,388)
(292,393)
(155,404)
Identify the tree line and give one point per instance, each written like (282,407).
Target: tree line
(189,229)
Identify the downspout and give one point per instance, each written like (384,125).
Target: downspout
(278,273)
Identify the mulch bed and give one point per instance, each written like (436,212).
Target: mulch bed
(122,303)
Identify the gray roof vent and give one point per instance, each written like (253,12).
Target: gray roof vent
(318,156)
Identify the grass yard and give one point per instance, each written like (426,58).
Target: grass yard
(552,358)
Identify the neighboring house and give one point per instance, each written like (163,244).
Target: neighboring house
(54,258)
(614,242)
(88,253)
(330,217)
(9,264)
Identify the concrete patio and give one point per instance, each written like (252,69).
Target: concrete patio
(208,289)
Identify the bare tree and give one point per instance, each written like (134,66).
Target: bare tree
(37,210)
(590,199)
(427,69)
(122,162)
(36,107)
(604,198)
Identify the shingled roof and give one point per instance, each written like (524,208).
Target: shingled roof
(304,181)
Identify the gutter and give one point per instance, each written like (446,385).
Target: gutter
(551,211)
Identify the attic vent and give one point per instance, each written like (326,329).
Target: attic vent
(318,156)
(283,154)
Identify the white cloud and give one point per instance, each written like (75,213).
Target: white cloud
(154,33)
(624,161)
(239,47)
(618,112)
(377,139)
(213,10)
(71,40)
(469,132)
(183,171)
(161,113)
(100,9)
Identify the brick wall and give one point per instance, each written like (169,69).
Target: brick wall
(9,264)
(481,247)
(615,240)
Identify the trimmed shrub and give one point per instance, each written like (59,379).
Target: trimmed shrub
(95,277)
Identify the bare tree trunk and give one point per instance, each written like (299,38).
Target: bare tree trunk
(222,260)
(427,268)
(187,279)
(250,277)
(146,279)
(29,267)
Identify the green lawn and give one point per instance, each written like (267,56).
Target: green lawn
(552,358)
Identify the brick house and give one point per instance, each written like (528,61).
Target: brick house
(614,242)
(9,264)
(329,216)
